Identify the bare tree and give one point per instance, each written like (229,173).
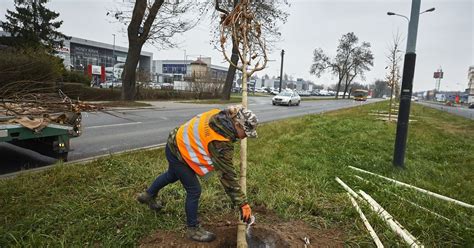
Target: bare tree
(362,60)
(268,13)
(380,88)
(155,22)
(393,76)
(350,61)
(245,33)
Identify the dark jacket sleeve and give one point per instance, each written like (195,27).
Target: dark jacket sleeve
(222,154)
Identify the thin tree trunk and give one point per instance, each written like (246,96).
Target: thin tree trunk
(390,106)
(129,72)
(241,228)
(348,83)
(338,88)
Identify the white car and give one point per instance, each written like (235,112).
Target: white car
(259,90)
(287,98)
(274,92)
(154,86)
(111,84)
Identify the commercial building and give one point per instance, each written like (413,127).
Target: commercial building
(168,71)
(470,89)
(100,60)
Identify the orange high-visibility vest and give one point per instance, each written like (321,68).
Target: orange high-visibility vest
(193,138)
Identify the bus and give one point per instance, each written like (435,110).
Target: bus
(360,95)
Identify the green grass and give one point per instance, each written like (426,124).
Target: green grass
(291,171)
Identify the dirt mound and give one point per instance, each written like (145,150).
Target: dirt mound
(267,232)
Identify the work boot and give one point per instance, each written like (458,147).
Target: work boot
(147,199)
(199,234)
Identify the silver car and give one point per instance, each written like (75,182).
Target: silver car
(287,98)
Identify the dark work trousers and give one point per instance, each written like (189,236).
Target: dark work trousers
(179,170)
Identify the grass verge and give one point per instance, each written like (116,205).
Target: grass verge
(291,171)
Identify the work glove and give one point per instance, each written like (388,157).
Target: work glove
(245,213)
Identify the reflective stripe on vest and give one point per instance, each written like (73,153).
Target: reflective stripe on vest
(193,139)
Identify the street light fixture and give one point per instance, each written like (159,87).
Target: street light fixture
(391,13)
(408,19)
(407,83)
(428,10)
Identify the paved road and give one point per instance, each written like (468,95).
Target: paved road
(126,129)
(457,110)
(121,130)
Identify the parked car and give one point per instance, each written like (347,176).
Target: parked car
(110,84)
(274,92)
(471,106)
(260,90)
(154,86)
(167,86)
(287,98)
(304,93)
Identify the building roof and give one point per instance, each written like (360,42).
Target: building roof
(218,67)
(92,43)
(198,62)
(105,45)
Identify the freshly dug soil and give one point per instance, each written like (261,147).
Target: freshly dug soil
(268,231)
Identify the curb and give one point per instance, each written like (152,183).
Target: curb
(79,161)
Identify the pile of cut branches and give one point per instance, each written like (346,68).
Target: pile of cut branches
(36,107)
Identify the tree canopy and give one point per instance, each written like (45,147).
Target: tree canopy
(269,14)
(153,21)
(32,24)
(352,59)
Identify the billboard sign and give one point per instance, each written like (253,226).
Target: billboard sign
(438,74)
(96,70)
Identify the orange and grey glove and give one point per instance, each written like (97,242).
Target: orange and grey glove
(245,213)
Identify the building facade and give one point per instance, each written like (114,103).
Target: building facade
(470,88)
(100,60)
(87,55)
(168,71)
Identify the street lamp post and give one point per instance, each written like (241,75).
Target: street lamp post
(407,83)
(281,69)
(113,60)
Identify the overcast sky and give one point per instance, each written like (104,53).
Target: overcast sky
(445,36)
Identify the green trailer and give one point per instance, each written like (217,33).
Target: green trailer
(52,140)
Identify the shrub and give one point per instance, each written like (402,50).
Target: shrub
(29,65)
(76,77)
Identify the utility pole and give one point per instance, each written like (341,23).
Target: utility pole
(438,77)
(113,61)
(281,68)
(407,86)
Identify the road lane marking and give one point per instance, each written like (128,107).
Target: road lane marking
(115,125)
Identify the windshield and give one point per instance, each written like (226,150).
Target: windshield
(359,93)
(285,94)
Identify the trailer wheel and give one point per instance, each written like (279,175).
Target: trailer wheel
(62,156)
